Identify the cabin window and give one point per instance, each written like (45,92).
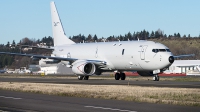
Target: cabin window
(122,51)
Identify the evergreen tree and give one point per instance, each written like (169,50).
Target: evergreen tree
(89,38)
(13,43)
(178,35)
(8,44)
(129,36)
(82,38)
(152,34)
(95,38)
(157,35)
(188,35)
(147,35)
(175,35)
(134,36)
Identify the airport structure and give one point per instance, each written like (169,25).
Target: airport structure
(189,67)
(47,67)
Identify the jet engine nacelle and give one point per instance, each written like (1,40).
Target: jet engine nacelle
(84,68)
(145,73)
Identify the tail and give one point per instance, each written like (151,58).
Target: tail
(58,32)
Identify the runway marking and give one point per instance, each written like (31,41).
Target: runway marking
(10,97)
(104,108)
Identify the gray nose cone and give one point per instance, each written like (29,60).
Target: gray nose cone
(171,59)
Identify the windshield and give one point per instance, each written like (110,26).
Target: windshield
(160,50)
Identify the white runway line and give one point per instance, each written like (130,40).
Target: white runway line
(10,97)
(104,108)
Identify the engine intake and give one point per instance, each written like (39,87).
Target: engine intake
(84,68)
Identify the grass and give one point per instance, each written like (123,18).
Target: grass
(176,96)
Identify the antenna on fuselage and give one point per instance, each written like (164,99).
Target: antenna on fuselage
(104,40)
(138,39)
(119,40)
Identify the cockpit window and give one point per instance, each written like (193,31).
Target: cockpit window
(155,50)
(160,50)
(168,50)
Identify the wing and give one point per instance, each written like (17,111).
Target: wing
(40,56)
(187,55)
(71,60)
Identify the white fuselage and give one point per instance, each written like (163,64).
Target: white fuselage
(124,55)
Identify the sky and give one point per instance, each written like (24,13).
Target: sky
(32,18)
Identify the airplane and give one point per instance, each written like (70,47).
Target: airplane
(148,58)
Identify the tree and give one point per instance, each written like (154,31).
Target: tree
(89,38)
(175,35)
(152,34)
(129,36)
(26,41)
(95,37)
(188,35)
(157,35)
(13,43)
(147,35)
(8,44)
(178,35)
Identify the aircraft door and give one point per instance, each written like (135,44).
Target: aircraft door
(142,52)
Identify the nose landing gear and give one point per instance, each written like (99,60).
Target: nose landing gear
(156,78)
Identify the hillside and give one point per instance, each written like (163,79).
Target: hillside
(177,45)
(180,46)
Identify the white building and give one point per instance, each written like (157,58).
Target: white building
(190,67)
(48,66)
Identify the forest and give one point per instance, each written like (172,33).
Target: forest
(177,44)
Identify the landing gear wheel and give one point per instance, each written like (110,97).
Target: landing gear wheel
(123,76)
(117,76)
(156,78)
(86,77)
(80,77)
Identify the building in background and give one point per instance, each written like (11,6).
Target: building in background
(189,67)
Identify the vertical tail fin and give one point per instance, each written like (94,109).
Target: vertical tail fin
(58,32)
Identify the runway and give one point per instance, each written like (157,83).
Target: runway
(23,102)
(99,81)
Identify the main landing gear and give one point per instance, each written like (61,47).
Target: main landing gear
(156,77)
(83,77)
(120,75)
